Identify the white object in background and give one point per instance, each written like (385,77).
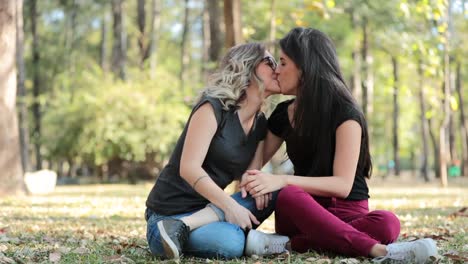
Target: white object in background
(40,182)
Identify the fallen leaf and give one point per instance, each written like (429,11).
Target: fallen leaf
(55,257)
(456,257)
(64,250)
(349,261)
(4,230)
(81,250)
(6,260)
(462,212)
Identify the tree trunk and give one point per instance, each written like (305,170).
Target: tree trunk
(155,27)
(142,38)
(368,83)
(216,42)
(119,46)
(212,41)
(36,108)
(205,68)
(103,44)
(435,148)
(464,129)
(396,112)
(443,129)
(232,20)
(272,42)
(355,82)
(184,57)
(11,176)
(424,125)
(22,111)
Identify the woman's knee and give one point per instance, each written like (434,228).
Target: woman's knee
(288,194)
(390,225)
(217,240)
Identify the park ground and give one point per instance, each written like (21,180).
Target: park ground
(104,224)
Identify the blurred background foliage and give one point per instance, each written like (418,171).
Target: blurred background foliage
(109,84)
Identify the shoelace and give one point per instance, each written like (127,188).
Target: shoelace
(182,235)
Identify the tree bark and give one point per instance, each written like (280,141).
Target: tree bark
(36,107)
(232,20)
(216,42)
(119,47)
(272,43)
(142,38)
(463,126)
(154,38)
(103,44)
(22,108)
(11,176)
(446,107)
(396,112)
(184,57)
(355,82)
(435,148)
(424,124)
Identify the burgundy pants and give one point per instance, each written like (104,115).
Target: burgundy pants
(332,224)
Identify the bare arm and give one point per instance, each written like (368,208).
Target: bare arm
(272,144)
(200,132)
(347,150)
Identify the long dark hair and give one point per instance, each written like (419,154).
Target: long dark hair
(322,93)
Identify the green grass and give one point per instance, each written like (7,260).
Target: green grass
(104,224)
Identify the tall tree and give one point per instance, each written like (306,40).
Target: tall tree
(424,123)
(216,42)
(368,82)
(464,129)
(272,35)
(103,44)
(36,74)
(184,56)
(396,113)
(22,108)
(355,82)
(119,45)
(447,94)
(142,38)
(154,37)
(232,20)
(11,175)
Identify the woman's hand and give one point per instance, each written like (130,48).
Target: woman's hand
(258,183)
(239,215)
(261,201)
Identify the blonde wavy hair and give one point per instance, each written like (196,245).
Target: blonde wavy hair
(234,74)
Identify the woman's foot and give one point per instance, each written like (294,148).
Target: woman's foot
(259,243)
(419,251)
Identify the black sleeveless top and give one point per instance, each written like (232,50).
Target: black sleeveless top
(228,156)
(279,124)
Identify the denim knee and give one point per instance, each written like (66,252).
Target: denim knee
(216,240)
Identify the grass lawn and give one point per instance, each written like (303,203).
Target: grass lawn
(104,224)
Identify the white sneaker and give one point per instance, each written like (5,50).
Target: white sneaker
(259,243)
(418,251)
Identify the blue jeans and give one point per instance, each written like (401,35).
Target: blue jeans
(214,240)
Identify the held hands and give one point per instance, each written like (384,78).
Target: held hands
(258,183)
(239,215)
(261,201)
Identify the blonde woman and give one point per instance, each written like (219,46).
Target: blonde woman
(187,210)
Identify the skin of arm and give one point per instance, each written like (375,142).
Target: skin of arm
(200,132)
(347,149)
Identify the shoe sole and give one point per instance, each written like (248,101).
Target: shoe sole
(169,247)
